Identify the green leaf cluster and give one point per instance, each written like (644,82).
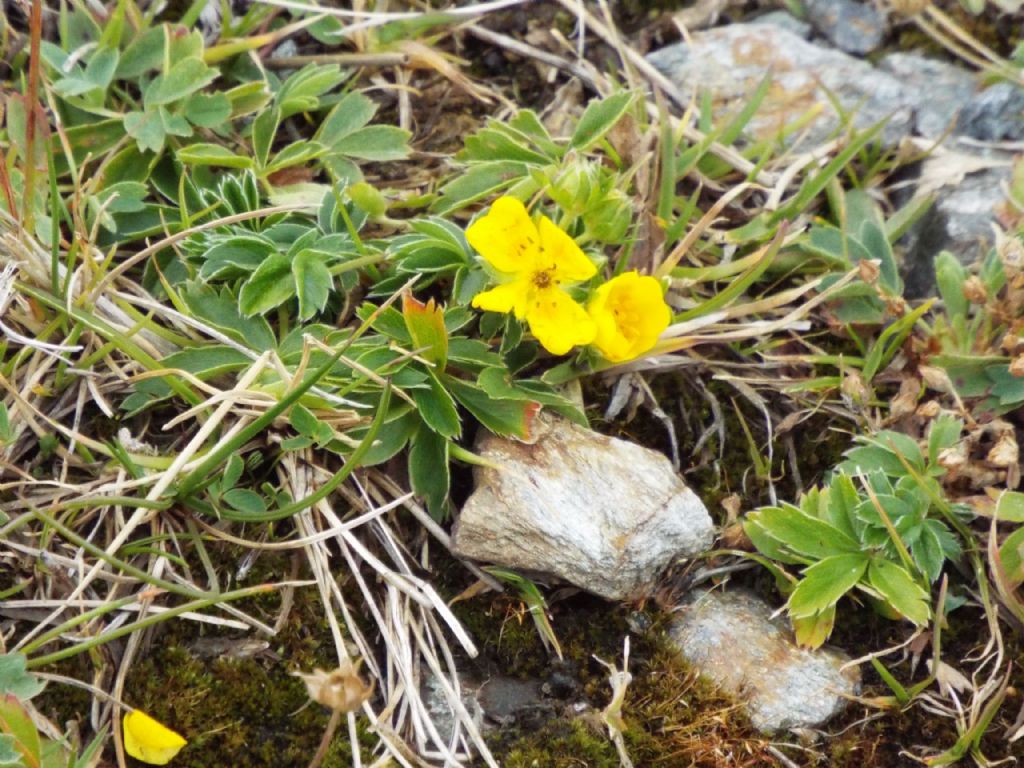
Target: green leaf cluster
(519,157)
(969,331)
(873,527)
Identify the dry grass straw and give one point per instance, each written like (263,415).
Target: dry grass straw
(413,628)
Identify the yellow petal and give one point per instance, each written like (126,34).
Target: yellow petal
(560,253)
(558,322)
(629,314)
(148,740)
(506,237)
(510,297)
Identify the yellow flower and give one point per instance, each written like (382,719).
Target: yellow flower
(150,741)
(535,259)
(630,313)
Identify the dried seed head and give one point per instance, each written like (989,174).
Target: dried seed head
(869,270)
(341,690)
(1017,366)
(974,290)
(1005,452)
(954,458)
(855,388)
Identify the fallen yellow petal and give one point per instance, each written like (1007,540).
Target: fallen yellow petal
(148,740)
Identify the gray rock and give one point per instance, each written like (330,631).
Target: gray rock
(504,699)
(995,114)
(786,20)
(732,639)
(731,61)
(940,90)
(856,28)
(440,709)
(960,220)
(603,514)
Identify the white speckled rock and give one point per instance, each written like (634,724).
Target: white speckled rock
(603,514)
(732,639)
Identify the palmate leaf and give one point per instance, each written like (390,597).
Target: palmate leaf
(825,582)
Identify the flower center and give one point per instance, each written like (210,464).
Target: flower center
(542,279)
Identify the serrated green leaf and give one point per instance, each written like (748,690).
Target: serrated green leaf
(1010,507)
(765,543)
(208,110)
(804,534)
(313,282)
(269,286)
(212,154)
(598,118)
(220,309)
(426,326)
(350,114)
(825,582)
(145,53)
(183,78)
(147,128)
(437,407)
(16,680)
(1011,555)
(429,473)
(944,433)
(900,591)
(248,98)
(813,631)
(927,551)
(301,92)
(101,67)
(507,418)
(174,124)
(375,142)
(477,182)
(298,153)
(392,437)
(235,257)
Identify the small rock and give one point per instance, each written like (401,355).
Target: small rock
(941,90)
(504,699)
(603,514)
(850,26)
(995,114)
(732,639)
(786,20)
(968,192)
(731,61)
(440,709)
